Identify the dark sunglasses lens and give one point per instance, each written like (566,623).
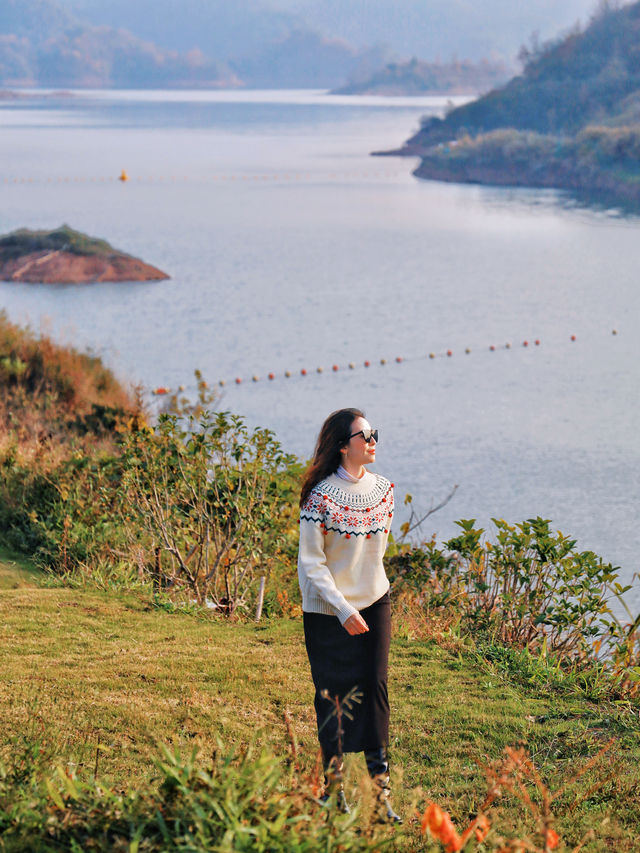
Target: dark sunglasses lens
(369,434)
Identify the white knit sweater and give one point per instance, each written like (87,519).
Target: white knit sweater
(344,529)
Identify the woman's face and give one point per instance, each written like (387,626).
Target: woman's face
(357,451)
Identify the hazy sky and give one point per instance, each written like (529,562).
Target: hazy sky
(424,28)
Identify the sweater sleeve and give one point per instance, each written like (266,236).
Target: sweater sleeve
(312,567)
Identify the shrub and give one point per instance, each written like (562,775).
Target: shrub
(618,144)
(531,588)
(62,511)
(48,391)
(211,503)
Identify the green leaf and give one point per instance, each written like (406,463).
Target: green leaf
(55,795)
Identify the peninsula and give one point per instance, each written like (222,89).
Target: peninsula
(571,120)
(415,77)
(65,256)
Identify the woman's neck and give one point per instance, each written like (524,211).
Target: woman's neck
(352,473)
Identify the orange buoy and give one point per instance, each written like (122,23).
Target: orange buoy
(525,343)
(272,376)
(303,372)
(573,337)
(367,363)
(335,368)
(161,390)
(123,176)
(537,342)
(238,380)
(449,352)
(399,359)
(492,348)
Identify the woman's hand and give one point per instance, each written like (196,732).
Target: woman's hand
(356,625)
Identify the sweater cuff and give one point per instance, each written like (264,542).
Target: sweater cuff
(344,612)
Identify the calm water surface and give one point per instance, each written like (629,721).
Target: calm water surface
(289,247)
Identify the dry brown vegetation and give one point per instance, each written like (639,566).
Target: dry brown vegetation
(48,390)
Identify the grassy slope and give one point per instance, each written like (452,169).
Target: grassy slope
(82,668)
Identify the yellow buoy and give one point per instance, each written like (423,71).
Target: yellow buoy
(123,176)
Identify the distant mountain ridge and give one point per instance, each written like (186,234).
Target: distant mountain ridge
(42,44)
(436,29)
(224,30)
(259,43)
(45,44)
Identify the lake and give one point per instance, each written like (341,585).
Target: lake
(290,248)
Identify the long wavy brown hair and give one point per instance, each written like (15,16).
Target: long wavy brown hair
(334,434)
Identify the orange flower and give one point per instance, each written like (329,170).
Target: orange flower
(552,839)
(441,827)
(481,828)
(432,819)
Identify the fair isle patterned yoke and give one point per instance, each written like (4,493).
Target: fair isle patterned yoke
(348,514)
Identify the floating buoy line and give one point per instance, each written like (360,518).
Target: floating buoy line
(273,376)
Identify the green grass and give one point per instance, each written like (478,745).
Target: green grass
(23,241)
(17,571)
(91,674)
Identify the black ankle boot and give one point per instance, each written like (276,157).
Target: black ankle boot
(333,766)
(378,767)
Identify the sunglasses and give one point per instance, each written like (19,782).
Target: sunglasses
(367,434)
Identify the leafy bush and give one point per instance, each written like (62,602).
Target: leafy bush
(619,144)
(531,588)
(212,504)
(507,145)
(63,512)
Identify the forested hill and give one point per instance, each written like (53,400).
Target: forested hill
(416,77)
(588,77)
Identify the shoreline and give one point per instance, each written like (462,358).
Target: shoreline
(451,164)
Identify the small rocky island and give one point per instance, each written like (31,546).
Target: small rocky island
(65,256)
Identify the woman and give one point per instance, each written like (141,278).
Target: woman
(345,515)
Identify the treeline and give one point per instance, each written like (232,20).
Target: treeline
(590,77)
(598,159)
(417,77)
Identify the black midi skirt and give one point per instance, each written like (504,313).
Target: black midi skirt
(340,662)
